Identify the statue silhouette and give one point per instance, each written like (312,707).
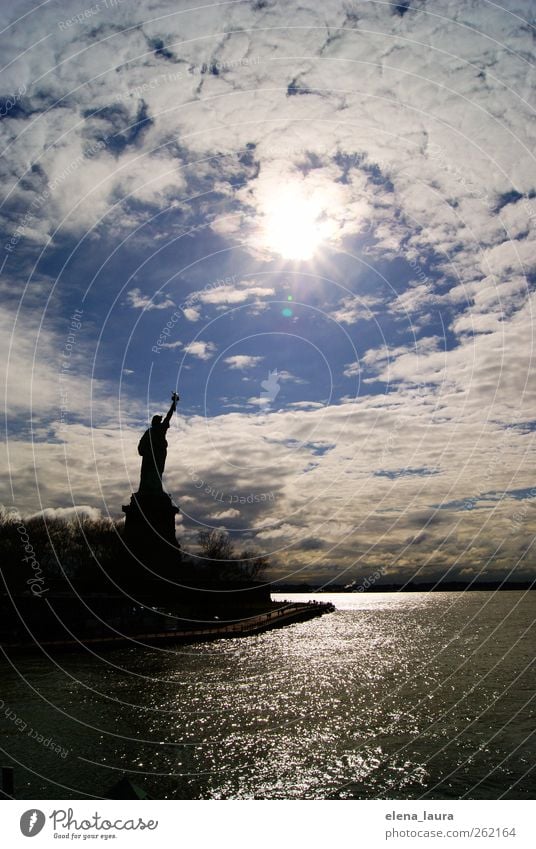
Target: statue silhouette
(152,549)
(153,448)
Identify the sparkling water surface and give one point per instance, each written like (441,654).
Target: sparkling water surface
(395,695)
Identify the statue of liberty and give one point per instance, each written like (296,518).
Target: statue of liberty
(153,448)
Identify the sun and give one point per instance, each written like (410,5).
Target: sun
(295,222)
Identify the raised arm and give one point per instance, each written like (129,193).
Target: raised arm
(172,409)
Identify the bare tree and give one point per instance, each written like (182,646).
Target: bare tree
(252,564)
(216,545)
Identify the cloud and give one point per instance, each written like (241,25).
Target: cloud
(355,308)
(306,405)
(201,350)
(144,302)
(221,294)
(258,401)
(231,513)
(241,362)
(45,365)
(191,313)
(285,375)
(79,511)
(414,299)
(234,294)
(352,369)
(171,345)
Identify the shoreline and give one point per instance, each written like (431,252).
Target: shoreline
(294,612)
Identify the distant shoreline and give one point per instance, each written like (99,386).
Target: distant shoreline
(453,586)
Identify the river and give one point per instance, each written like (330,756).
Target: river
(393,696)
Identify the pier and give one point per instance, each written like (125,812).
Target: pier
(285,614)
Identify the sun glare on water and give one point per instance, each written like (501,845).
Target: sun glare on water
(295,223)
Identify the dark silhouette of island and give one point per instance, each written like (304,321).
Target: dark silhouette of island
(85,590)
(78,580)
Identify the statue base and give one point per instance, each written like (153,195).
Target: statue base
(150,535)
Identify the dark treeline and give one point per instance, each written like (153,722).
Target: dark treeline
(219,557)
(42,553)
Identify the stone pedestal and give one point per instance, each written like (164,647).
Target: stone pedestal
(150,535)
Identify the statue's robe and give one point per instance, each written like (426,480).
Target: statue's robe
(153,448)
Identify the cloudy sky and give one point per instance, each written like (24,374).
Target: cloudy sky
(317,221)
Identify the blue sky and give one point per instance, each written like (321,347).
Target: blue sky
(318,223)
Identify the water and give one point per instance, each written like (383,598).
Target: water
(416,695)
